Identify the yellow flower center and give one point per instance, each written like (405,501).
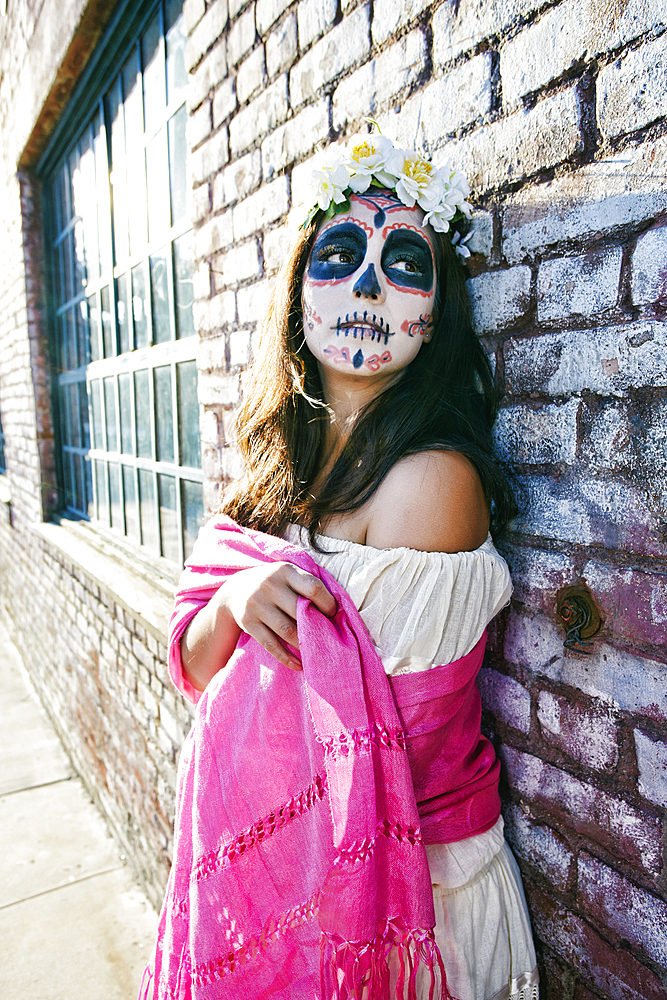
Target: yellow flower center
(418,170)
(362,149)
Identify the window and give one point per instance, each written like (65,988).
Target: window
(3,467)
(121,263)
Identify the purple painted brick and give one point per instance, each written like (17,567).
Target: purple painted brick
(539,845)
(652,763)
(508,700)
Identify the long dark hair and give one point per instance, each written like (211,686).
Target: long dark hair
(444,399)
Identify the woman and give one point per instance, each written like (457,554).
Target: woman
(338,827)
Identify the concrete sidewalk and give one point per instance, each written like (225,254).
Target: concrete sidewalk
(73,924)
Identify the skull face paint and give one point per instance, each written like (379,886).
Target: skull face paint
(369,287)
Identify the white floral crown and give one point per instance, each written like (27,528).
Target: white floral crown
(374,161)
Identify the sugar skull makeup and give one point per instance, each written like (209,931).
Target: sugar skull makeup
(369,287)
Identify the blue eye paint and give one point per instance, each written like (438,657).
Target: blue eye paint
(346,240)
(403,246)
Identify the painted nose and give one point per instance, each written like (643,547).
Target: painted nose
(368,286)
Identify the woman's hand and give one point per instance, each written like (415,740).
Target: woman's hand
(261,601)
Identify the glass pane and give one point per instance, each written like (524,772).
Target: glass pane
(73,415)
(134,119)
(184,266)
(164,415)
(80,273)
(94,328)
(136,197)
(188,414)
(117,520)
(83,414)
(178,173)
(139,307)
(114,108)
(152,59)
(102,168)
(79,499)
(108,338)
(66,271)
(67,478)
(64,414)
(148,511)
(82,332)
(143,413)
(177,78)
(89,488)
(62,193)
(160,298)
(130,495)
(123,313)
(158,187)
(96,402)
(102,497)
(88,207)
(71,359)
(125,403)
(168,518)
(192,505)
(110,412)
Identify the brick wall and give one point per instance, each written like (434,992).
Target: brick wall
(557,113)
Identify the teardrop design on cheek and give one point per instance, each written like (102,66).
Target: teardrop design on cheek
(358,359)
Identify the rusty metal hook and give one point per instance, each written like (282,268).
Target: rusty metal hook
(580,616)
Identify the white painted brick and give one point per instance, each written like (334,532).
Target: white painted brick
(295,138)
(214,235)
(260,117)
(281,47)
(210,156)
(315,17)
(538,844)
(649,267)
(211,354)
(499,298)
(623,189)
(210,72)
(608,445)
(390,15)
(460,27)
(480,234)
(237,264)
(578,286)
(508,700)
(632,92)
(211,314)
(193,11)
(571,360)
(237,180)
(252,301)
(201,280)
(239,348)
(224,101)
(277,243)
(357,96)
(341,48)
(201,202)
(209,428)
(589,737)
(199,124)
(572,32)
(268,12)
(543,434)
(250,76)
(521,144)
(216,388)
(235,6)
(205,34)
(241,37)
(652,764)
(261,208)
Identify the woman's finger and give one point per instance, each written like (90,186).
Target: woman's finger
(309,586)
(271,643)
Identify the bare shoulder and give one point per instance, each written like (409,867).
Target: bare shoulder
(431,501)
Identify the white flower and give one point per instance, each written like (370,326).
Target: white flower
(417,180)
(459,244)
(329,183)
(367,157)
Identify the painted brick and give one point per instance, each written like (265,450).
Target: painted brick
(578,286)
(460,27)
(260,117)
(499,298)
(636,915)
(480,234)
(572,360)
(239,348)
(238,179)
(251,302)
(652,764)
(534,435)
(539,845)
(281,47)
(193,11)
(519,145)
(376,81)
(201,202)
(268,12)
(649,267)
(454,100)
(210,72)
(241,37)
(210,156)
(224,101)
(573,32)
(295,138)
(211,314)
(622,190)
(238,264)
(199,124)
(635,602)
(315,17)
(613,971)
(235,6)
(211,353)
(538,575)
(218,389)
(250,76)
(214,235)
(632,92)
(261,208)
(205,34)
(201,280)
(341,48)
(276,247)
(608,445)
(601,818)
(508,700)
(588,736)
(390,15)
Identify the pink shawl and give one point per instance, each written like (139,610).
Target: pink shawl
(299,861)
